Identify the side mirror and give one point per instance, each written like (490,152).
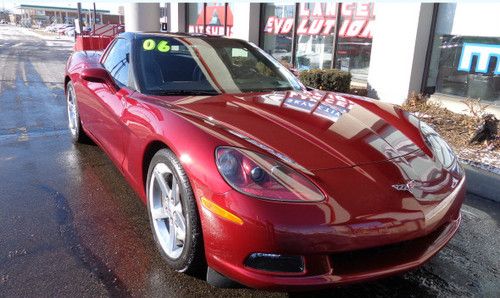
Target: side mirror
(96,75)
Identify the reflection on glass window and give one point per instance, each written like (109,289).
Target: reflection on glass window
(173,66)
(116,62)
(215,21)
(469,67)
(278,30)
(195,18)
(355,39)
(315,34)
(215,15)
(465,61)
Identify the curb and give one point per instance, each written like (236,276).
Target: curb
(482,183)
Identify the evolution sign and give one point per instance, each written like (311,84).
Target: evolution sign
(320,19)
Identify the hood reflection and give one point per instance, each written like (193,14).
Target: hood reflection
(317,129)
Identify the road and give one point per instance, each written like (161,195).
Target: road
(70,224)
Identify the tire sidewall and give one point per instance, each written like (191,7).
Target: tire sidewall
(185,261)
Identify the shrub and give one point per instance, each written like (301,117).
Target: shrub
(327,79)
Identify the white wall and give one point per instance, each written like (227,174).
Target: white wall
(400,39)
(421,45)
(142,17)
(246,17)
(177,20)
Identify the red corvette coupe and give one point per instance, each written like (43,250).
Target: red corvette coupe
(261,180)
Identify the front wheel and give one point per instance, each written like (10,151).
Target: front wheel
(74,123)
(173,214)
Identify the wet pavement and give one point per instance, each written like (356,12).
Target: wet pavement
(70,224)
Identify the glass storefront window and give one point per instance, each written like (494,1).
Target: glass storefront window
(212,19)
(314,41)
(469,67)
(355,40)
(465,60)
(315,34)
(195,18)
(278,31)
(229,20)
(215,18)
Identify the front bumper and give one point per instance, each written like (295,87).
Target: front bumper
(335,253)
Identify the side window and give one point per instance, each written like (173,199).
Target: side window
(117,61)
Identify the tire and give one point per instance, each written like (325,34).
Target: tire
(166,224)
(74,122)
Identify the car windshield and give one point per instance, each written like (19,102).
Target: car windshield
(207,65)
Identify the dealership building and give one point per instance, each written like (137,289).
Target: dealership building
(45,15)
(449,50)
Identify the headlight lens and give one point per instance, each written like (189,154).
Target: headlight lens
(439,147)
(260,176)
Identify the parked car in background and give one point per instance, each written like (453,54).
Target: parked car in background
(61,30)
(70,32)
(56,28)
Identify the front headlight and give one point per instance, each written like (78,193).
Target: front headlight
(260,176)
(439,147)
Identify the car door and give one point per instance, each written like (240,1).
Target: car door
(111,102)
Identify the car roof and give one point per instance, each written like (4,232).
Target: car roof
(134,35)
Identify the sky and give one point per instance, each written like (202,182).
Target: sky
(112,6)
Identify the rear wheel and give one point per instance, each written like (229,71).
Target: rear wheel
(173,214)
(74,123)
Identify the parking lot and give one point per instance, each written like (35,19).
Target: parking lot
(70,224)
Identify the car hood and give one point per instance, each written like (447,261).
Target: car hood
(315,129)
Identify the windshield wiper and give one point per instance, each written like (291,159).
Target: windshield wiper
(271,89)
(183,92)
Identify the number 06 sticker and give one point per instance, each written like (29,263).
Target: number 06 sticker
(150,44)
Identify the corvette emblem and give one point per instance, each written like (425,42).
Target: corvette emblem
(405,187)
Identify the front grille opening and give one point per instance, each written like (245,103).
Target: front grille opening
(372,259)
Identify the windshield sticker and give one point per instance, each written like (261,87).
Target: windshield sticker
(163,46)
(150,44)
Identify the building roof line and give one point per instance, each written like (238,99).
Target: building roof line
(41,7)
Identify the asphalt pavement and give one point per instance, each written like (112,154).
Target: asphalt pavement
(70,225)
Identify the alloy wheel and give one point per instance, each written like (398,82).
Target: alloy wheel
(169,221)
(72,111)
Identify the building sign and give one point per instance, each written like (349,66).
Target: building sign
(357,20)
(484,54)
(216,20)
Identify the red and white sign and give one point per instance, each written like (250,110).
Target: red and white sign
(215,20)
(357,20)
(210,30)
